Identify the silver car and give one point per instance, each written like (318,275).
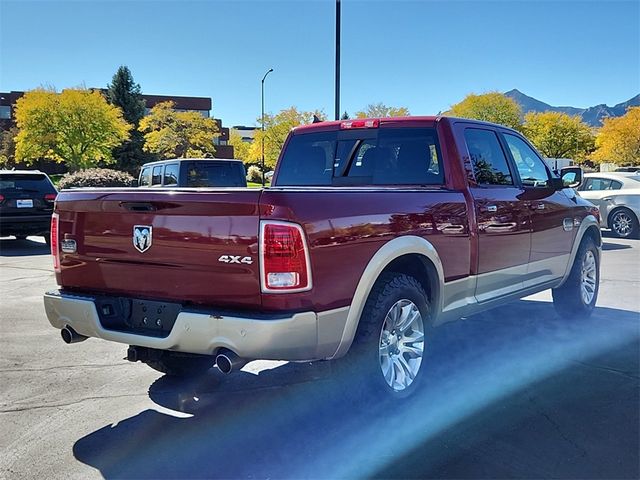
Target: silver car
(617,194)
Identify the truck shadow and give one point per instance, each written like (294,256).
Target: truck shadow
(21,248)
(516,392)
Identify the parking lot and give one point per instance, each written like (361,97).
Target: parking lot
(516,392)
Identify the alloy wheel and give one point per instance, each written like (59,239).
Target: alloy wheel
(401,345)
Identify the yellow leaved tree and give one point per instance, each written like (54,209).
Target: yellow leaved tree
(491,107)
(172,134)
(76,126)
(619,139)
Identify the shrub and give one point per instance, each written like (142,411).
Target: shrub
(96,177)
(254,174)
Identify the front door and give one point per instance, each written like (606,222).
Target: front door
(502,217)
(551,214)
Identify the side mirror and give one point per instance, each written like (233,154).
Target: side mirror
(571,177)
(134,183)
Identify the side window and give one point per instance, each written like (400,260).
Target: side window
(156,177)
(615,185)
(144,180)
(171,174)
(531,168)
(595,184)
(489,162)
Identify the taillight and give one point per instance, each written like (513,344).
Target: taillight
(50,197)
(1,198)
(55,253)
(372,123)
(284,258)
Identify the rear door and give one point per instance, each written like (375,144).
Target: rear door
(504,232)
(551,212)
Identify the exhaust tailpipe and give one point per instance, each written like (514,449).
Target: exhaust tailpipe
(227,361)
(69,335)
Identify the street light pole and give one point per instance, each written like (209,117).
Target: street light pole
(337,60)
(262,122)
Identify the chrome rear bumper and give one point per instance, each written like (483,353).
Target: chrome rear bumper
(300,336)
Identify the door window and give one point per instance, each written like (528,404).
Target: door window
(145,181)
(171,174)
(596,184)
(532,170)
(156,177)
(489,162)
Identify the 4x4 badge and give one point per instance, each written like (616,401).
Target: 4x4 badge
(142,237)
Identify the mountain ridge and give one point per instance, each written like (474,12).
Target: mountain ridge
(591,115)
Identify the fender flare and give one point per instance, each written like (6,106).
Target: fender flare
(393,249)
(587,222)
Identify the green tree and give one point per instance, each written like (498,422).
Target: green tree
(491,107)
(378,110)
(8,147)
(124,93)
(277,127)
(77,127)
(172,134)
(619,139)
(558,135)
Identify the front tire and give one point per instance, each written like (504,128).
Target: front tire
(623,223)
(577,296)
(181,365)
(388,350)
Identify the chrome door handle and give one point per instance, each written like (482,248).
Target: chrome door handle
(501,227)
(453,229)
(489,208)
(537,206)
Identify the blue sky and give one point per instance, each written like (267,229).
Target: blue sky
(425,55)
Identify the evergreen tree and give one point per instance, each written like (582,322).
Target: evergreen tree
(345,116)
(123,92)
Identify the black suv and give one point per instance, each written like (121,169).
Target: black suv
(26,203)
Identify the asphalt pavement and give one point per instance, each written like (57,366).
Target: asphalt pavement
(512,393)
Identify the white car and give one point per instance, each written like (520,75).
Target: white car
(617,195)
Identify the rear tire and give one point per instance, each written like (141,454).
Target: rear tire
(387,354)
(623,223)
(577,296)
(182,365)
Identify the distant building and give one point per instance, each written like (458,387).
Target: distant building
(201,105)
(246,133)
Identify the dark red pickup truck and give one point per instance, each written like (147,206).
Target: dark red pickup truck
(373,232)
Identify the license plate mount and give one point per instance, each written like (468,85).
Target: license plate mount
(24,203)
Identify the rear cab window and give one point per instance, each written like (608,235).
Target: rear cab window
(215,174)
(362,157)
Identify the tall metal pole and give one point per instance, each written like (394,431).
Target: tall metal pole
(262,122)
(337,60)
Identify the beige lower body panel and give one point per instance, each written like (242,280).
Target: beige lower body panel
(302,336)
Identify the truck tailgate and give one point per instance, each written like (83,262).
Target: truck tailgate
(203,245)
